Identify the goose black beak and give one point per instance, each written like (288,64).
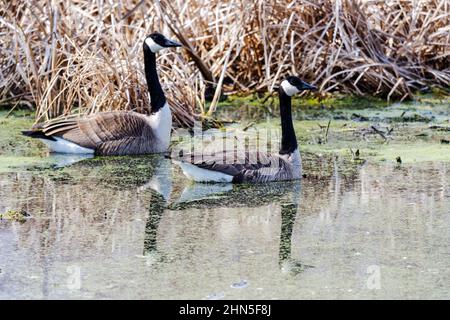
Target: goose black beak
(307,86)
(171,43)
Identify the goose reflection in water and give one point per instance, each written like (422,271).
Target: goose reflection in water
(208,197)
(159,183)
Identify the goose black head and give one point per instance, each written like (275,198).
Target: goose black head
(292,85)
(156,41)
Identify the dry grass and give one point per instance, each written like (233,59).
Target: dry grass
(80,56)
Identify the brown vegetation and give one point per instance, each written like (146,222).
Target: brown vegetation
(79,56)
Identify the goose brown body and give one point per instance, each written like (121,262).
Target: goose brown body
(254,167)
(107,133)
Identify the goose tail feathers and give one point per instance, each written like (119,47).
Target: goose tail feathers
(37,134)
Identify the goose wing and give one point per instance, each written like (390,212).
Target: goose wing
(243,166)
(112,133)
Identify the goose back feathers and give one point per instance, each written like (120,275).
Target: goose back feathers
(256,167)
(106,133)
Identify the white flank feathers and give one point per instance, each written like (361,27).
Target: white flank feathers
(64,146)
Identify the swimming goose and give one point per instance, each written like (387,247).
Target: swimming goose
(117,132)
(285,165)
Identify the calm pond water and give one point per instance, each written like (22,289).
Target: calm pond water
(135,228)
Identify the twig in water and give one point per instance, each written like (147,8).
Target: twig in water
(251,124)
(440,128)
(381,133)
(326,133)
(355,155)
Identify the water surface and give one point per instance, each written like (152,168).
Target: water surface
(355,227)
(135,228)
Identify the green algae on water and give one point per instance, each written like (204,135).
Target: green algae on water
(15,215)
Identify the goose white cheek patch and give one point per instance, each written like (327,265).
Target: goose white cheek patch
(288,88)
(154,47)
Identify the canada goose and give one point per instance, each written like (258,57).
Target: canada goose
(286,165)
(117,132)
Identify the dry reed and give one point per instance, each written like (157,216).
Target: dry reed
(82,57)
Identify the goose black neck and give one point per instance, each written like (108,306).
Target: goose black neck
(154,87)
(288,139)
